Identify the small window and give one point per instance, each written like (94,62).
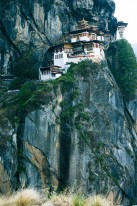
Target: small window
(93,36)
(121,34)
(53,75)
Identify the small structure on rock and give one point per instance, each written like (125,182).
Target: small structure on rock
(50,72)
(121,26)
(86,42)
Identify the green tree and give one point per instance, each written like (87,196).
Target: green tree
(124,67)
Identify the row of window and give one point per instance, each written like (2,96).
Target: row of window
(45,72)
(95,46)
(91,36)
(48,72)
(68,50)
(89,48)
(60,50)
(58,56)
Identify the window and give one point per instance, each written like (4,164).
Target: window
(53,75)
(93,36)
(67,50)
(94,45)
(89,48)
(121,34)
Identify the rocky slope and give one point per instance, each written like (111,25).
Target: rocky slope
(39,23)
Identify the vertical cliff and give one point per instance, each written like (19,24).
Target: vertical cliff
(76,132)
(39,24)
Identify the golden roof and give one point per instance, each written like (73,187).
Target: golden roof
(83,21)
(83,24)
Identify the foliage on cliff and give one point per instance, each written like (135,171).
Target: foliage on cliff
(33,94)
(123,65)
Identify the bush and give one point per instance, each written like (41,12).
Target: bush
(78,200)
(27,197)
(60,199)
(124,67)
(87,67)
(97,201)
(16,84)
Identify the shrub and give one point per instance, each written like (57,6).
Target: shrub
(26,197)
(78,200)
(61,200)
(97,201)
(16,84)
(87,67)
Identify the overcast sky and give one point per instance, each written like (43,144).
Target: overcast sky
(126,10)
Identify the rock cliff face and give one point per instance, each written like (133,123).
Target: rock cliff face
(88,142)
(83,137)
(39,23)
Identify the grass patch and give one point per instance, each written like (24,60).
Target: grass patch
(27,197)
(78,200)
(31,197)
(97,201)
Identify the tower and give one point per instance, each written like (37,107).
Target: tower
(121,26)
(83,24)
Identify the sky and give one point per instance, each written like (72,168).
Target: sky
(126,10)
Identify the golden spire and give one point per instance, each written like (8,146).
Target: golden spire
(83,24)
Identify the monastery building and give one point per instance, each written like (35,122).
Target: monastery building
(86,42)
